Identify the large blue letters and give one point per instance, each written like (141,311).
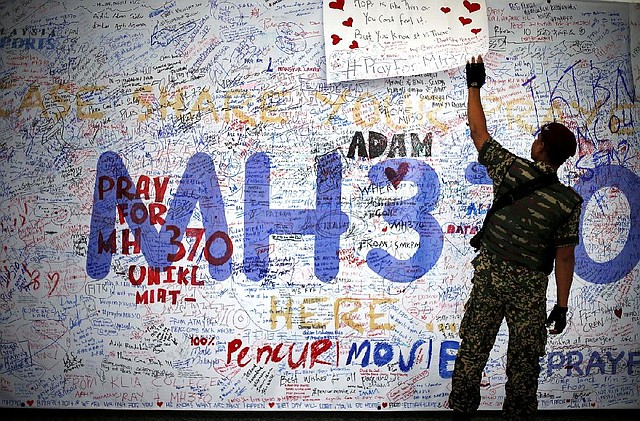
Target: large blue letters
(618,267)
(414,212)
(326,222)
(199,183)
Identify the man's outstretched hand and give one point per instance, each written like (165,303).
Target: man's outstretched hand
(475,73)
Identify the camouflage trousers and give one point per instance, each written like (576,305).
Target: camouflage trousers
(502,291)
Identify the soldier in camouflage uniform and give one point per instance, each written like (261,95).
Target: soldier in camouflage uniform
(511,270)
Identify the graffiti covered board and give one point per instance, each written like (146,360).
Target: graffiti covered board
(192,217)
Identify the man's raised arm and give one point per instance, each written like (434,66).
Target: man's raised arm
(475,113)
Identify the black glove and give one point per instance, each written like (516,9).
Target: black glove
(557,317)
(475,74)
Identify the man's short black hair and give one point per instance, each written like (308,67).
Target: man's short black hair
(559,142)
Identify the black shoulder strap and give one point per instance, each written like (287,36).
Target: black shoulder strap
(521,191)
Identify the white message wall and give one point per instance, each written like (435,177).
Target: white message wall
(191,217)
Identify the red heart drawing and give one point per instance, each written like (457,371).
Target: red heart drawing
(618,312)
(348,22)
(391,175)
(445,9)
(476,30)
(384,404)
(338,4)
(471,7)
(396,177)
(465,21)
(335,39)
(271,404)
(354,44)
(159,404)
(30,403)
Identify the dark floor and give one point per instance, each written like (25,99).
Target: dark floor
(29,414)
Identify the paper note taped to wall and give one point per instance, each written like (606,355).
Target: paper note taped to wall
(371,39)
